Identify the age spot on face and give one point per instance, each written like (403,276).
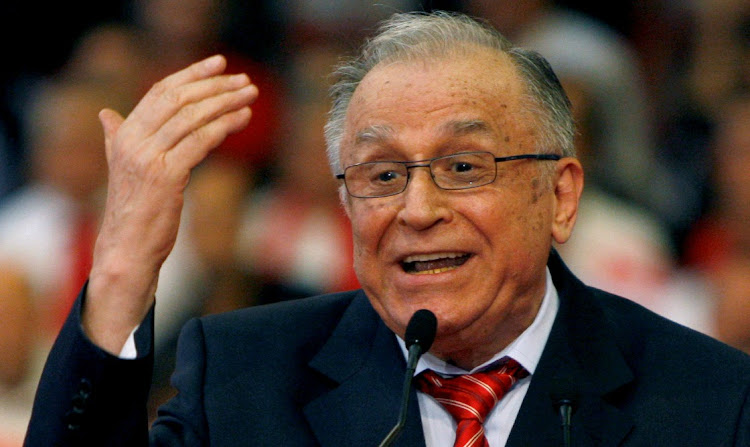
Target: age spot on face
(536,189)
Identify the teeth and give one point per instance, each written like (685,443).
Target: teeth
(432,257)
(433,271)
(430,264)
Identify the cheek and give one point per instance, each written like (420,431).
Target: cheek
(369,221)
(513,220)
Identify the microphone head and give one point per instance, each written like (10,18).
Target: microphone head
(563,392)
(421,330)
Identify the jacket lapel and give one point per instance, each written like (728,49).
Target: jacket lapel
(582,358)
(366,367)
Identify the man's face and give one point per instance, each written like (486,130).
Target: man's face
(480,253)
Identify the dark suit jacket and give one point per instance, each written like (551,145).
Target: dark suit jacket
(326,371)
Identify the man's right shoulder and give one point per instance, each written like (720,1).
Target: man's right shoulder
(264,340)
(312,315)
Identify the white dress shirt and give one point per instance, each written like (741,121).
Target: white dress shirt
(440,427)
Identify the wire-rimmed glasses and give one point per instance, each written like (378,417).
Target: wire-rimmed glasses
(456,171)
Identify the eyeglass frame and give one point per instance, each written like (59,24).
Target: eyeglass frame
(427,163)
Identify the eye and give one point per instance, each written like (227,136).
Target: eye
(381,172)
(387,176)
(462,166)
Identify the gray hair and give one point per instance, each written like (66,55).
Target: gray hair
(418,36)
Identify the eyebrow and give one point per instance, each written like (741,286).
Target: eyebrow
(379,133)
(376,133)
(466,127)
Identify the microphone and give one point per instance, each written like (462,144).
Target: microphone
(564,398)
(420,333)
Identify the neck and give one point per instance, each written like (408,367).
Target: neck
(492,341)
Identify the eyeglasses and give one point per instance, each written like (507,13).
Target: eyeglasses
(464,170)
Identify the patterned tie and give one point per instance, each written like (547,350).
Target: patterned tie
(469,398)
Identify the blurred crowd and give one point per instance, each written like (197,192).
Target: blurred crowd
(661,95)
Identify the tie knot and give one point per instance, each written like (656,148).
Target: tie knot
(471,396)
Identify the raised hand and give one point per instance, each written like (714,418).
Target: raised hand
(150,156)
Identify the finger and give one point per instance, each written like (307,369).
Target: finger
(111,122)
(164,105)
(195,116)
(207,67)
(192,149)
(204,69)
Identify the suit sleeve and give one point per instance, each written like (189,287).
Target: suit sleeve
(87,397)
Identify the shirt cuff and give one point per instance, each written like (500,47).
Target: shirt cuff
(129,351)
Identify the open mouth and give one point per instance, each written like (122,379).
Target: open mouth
(433,263)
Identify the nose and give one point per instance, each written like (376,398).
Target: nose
(424,203)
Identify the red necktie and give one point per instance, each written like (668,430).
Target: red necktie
(469,398)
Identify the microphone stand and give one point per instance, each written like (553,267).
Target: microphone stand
(420,333)
(564,397)
(566,411)
(411,366)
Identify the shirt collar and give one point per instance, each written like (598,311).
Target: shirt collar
(526,349)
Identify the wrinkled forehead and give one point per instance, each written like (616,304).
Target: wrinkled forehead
(480,90)
(472,57)
(465,69)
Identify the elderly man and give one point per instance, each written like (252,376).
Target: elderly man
(454,150)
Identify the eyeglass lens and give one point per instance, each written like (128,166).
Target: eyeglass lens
(384,178)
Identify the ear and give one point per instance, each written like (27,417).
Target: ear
(568,186)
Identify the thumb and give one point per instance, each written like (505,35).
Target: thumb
(111,121)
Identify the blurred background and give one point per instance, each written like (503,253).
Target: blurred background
(661,96)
